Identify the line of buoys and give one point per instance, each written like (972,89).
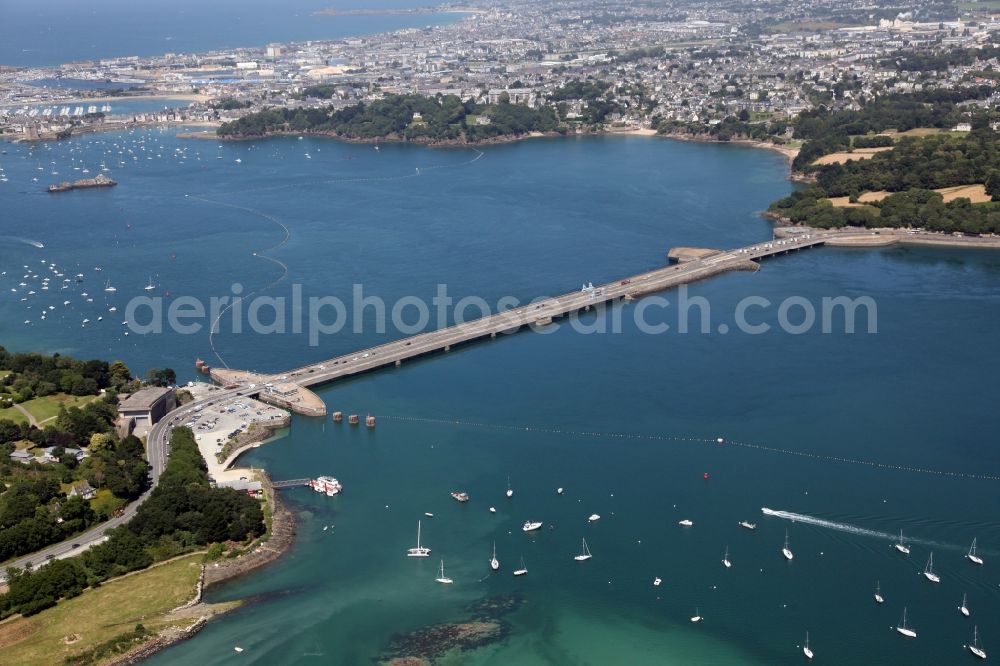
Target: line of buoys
(213,328)
(699,440)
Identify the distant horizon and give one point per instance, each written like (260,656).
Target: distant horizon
(65,32)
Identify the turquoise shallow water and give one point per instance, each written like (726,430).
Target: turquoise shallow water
(554,410)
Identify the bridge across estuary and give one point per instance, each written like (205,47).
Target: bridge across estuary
(288,389)
(693,266)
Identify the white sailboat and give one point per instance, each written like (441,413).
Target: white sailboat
(963,609)
(900,546)
(878,593)
(108,288)
(725,559)
(510,491)
(150,286)
(975,559)
(903,629)
(584,554)
(697,615)
(419,551)
(806,650)
(522,570)
(444,580)
(494,562)
(974,647)
(929,570)
(785,550)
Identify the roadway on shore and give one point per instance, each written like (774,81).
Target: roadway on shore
(157,451)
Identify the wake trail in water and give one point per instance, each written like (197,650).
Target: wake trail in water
(852,529)
(213,329)
(26,241)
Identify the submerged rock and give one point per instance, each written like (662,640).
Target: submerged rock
(426,646)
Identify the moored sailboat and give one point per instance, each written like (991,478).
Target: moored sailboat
(900,546)
(975,647)
(494,562)
(903,629)
(419,551)
(785,550)
(584,554)
(929,570)
(444,580)
(972,556)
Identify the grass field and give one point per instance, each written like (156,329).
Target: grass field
(45,408)
(843,158)
(975,193)
(12,414)
(916,131)
(100,614)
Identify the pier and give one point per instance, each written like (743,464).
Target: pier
(291,389)
(291,483)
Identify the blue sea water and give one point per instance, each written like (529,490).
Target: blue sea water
(625,422)
(51,33)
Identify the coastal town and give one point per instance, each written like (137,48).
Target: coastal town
(688,64)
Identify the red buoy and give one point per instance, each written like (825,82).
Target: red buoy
(706,476)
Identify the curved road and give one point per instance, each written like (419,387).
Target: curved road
(157,451)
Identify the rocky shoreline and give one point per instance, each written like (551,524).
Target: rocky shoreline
(280,538)
(391,138)
(253,436)
(160,642)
